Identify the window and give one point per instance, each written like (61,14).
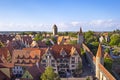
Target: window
(14,71)
(53,65)
(73,65)
(46,56)
(50,57)
(54,69)
(44,65)
(20,72)
(73,58)
(26,76)
(52,61)
(73,62)
(43,61)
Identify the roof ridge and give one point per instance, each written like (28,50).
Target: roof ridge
(99,51)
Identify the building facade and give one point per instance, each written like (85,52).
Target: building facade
(62,58)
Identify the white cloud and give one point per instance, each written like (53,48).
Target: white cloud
(96,25)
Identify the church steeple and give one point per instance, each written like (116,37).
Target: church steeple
(80,30)
(80,37)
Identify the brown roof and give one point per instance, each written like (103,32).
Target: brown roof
(26,56)
(3,76)
(36,71)
(56,49)
(41,44)
(106,72)
(27,39)
(99,51)
(6,65)
(30,49)
(60,39)
(4,38)
(4,52)
(106,55)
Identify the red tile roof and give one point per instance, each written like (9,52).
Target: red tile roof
(67,48)
(27,56)
(106,72)
(3,76)
(99,51)
(6,65)
(36,71)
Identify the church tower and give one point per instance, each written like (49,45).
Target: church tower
(99,60)
(80,37)
(55,30)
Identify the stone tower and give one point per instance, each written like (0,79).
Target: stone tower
(99,60)
(55,30)
(80,37)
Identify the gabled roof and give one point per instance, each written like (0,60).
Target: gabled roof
(99,51)
(4,52)
(60,39)
(106,55)
(56,49)
(6,71)
(3,76)
(35,71)
(6,65)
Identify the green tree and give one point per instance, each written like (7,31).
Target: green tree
(48,42)
(1,44)
(88,78)
(89,37)
(108,64)
(72,34)
(73,42)
(115,39)
(115,52)
(49,74)
(38,37)
(107,50)
(54,40)
(93,47)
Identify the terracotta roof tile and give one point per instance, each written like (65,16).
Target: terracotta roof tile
(99,51)
(106,55)
(3,76)
(107,74)
(36,71)
(6,65)
(67,48)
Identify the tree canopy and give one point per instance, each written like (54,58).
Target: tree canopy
(108,64)
(49,74)
(115,40)
(89,37)
(38,37)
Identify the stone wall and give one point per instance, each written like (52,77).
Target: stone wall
(104,73)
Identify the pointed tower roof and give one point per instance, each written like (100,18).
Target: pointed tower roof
(99,51)
(80,30)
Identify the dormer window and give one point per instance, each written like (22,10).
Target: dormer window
(63,53)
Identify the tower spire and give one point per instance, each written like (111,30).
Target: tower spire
(80,30)
(99,51)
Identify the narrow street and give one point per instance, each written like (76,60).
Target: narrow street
(87,69)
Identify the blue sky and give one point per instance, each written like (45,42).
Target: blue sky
(68,15)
